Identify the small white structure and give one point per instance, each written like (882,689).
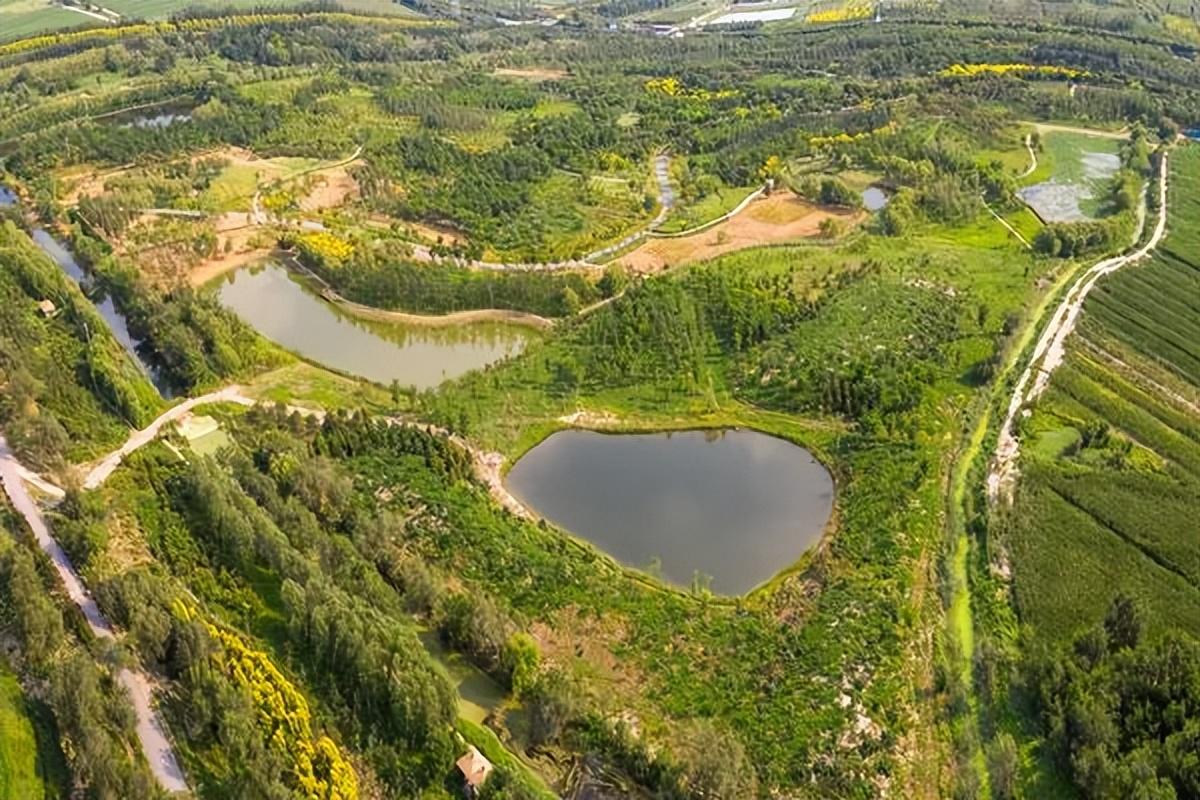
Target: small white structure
(475,770)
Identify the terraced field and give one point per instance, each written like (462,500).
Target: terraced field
(1107,500)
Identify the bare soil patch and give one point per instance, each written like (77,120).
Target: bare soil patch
(531,73)
(782,217)
(329,188)
(81,182)
(433,233)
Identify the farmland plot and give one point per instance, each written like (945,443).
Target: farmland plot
(1111,506)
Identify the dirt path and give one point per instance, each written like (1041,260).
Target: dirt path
(149,726)
(439,320)
(1049,127)
(1010,228)
(1033,162)
(1050,349)
(99,473)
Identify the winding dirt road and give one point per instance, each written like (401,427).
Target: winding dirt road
(150,729)
(105,467)
(1050,349)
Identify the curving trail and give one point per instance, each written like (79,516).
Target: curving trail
(1050,349)
(149,727)
(1033,162)
(99,473)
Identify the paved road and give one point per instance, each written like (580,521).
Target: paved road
(150,730)
(1051,348)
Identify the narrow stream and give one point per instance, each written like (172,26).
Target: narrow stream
(117,322)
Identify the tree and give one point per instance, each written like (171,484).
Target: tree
(570,301)
(614,280)
(321,486)
(1002,766)
(475,625)
(835,193)
(830,228)
(1123,623)
(715,764)
(553,702)
(39,624)
(520,660)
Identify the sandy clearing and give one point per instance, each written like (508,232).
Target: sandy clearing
(433,233)
(781,217)
(330,188)
(81,183)
(238,243)
(1049,127)
(531,73)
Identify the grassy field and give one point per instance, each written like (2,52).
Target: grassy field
(705,209)
(31,765)
(22,18)
(1061,156)
(1107,501)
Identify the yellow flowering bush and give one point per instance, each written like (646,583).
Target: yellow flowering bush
(325,248)
(673,87)
(1041,70)
(850,10)
(816,142)
(319,769)
(180,26)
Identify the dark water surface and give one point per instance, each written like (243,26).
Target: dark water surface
(289,313)
(738,506)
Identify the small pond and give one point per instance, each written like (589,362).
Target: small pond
(289,313)
(7,196)
(738,506)
(874,198)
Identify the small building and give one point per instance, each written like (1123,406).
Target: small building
(47,308)
(475,770)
